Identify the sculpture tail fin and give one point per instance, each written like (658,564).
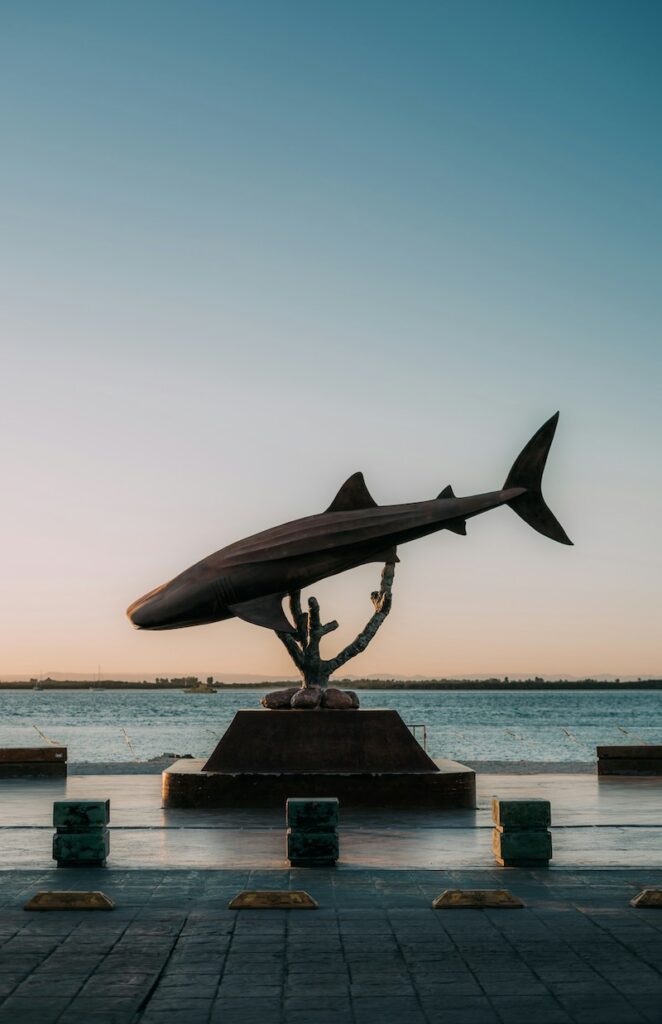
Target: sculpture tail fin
(527,472)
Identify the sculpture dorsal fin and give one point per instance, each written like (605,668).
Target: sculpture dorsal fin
(447,492)
(352,495)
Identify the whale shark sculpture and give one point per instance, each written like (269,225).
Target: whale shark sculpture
(250,578)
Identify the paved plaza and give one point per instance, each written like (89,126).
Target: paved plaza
(373,953)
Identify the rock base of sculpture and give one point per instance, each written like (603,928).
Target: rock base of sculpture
(308,698)
(365,758)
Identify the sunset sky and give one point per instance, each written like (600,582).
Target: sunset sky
(249,248)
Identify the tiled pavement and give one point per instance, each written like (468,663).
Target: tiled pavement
(172,953)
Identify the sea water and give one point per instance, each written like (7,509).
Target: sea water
(534,725)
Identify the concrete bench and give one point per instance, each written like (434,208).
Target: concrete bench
(630,760)
(33,762)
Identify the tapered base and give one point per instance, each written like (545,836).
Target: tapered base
(364,758)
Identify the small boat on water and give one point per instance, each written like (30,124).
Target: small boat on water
(207,687)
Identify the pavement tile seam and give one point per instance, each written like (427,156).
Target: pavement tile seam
(607,970)
(352,1015)
(594,976)
(415,991)
(494,996)
(80,1003)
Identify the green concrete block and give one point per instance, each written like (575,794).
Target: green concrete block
(519,847)
(80,849)
(312,814)
(522,814)
(81,815)
(311,848)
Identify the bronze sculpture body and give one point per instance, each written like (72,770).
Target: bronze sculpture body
(362,757)
(250,578)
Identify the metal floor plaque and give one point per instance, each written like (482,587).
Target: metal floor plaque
(648,898)
(252,899)
(70,901)
(476,899)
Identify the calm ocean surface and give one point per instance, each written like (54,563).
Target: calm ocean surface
(115,725)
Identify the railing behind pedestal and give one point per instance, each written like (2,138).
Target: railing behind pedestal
(413,726)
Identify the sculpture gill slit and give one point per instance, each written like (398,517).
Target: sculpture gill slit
(250,578)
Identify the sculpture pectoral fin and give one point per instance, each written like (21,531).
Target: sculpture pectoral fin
(264,611)
(385,555)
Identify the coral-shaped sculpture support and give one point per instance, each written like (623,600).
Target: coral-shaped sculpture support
(304,649)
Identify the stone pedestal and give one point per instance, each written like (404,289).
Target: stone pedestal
(81,838)
(364,758)
(312,831)
(521,832)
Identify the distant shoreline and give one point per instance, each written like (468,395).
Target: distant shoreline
(351,684)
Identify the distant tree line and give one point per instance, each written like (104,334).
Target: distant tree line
(182,682)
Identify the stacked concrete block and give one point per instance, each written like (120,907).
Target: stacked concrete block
(312,831)
(81,837)
(521,834)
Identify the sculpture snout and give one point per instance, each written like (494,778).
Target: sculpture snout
(175,604)
(143,612)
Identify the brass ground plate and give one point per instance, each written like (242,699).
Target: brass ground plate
(648,898)
(69,901)
(252,899)
(476,899)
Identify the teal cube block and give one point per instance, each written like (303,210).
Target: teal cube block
(81,815)
(309,849)
(521,847)
(312,814)
(522,814)
(80,849)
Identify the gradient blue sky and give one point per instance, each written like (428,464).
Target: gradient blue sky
(249,248)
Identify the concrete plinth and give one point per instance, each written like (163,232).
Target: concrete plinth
(33,762)
(630,760)
(186,784)
(364,758)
